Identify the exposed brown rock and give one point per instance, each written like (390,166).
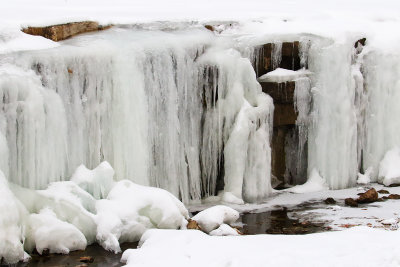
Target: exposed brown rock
(361,41)
(284,114)
(351,202)
(392,196)
(193,225)
(237,230)
(86,259)
(290,57)
(64,31)
(209,27)
(383,191)
(368,197)
(282,93)
(278,163)
(330,200)
(70,71)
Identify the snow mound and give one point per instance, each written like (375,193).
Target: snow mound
(366,177)
(280,75)
(389,168)
(67,200)
(314,183)
(194,248)
(212,218)
(11,224)
(224,230)
(98,182)
(46,231)
(131,209)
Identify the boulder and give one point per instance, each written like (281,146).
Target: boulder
(368,197)
(351,202)
(330,200)
(64,31)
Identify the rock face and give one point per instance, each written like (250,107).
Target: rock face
(368,197)
(64,31)
(351,202)
(283,95)
(290,57)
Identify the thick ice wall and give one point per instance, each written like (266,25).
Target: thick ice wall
(381,71)
(332,141)
(246,116)
(33,121)
(145,102)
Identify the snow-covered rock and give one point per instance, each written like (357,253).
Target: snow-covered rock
(389,168)
(212,218)
(131,209)
(46,231)
(224,230)
(283,75)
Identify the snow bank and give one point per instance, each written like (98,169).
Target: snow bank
(212,218)
(131,209)
(194,248)
(65,217)
(67,200)
(389,167)
(314,183)
(45,231)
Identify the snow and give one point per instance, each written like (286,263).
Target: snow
(366,177)
(131,209)
(363,246)
(212,218)
(314,183)
(224,230)
(45,231)
(280,75)
(389,167)
(64,217)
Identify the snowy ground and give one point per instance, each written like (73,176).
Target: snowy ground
(360,245)
(311,207)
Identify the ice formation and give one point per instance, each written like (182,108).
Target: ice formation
(186,115)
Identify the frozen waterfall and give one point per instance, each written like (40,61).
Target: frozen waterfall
(180,110)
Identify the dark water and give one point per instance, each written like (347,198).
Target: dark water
(102,258)
(277,222)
